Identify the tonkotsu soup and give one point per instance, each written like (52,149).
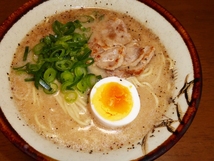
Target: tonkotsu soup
(119,46)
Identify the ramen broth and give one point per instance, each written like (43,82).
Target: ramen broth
(43,113)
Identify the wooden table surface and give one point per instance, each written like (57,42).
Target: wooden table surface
(197,17)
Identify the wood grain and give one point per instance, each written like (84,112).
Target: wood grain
(197,144)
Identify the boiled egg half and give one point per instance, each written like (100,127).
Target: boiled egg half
(114,101)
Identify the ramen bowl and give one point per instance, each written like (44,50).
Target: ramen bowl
(165,133)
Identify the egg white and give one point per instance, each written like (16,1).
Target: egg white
(135,97)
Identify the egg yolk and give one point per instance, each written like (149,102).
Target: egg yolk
(113,101)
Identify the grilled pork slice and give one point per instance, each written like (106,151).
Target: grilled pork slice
(114,50)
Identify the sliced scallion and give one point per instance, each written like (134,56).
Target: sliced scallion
(50,75)
(71,97)
(53,89)
(26,53)
(61,57)
(63,65)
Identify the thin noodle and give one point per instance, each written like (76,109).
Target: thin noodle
(72,113)
(21,96)
(43,127)
(73,110)
(61,102)
(160,69)
(38,123)
(153,94)
(147,84)
(171,63)
(50,124)
(146,72)
(135,81)
(81,104)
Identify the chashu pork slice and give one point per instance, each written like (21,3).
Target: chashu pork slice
(110,59)
(135,61)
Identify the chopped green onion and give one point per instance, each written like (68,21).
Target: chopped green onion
(69,28)
(58,53)
(39,74)
(31,68)
(26,53)
(44,85)
(70,96)
(66,86)
(29,79)
(63,65)
(21,68)
(53,89)
(87,82)
(38,48)
(84,53)
(62,57)
(57,28)
(88,61)
(98,15)
(82,86)
(91,79)
(86,19)
(79,71)
(65,38)
(50,75)
(67,76)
